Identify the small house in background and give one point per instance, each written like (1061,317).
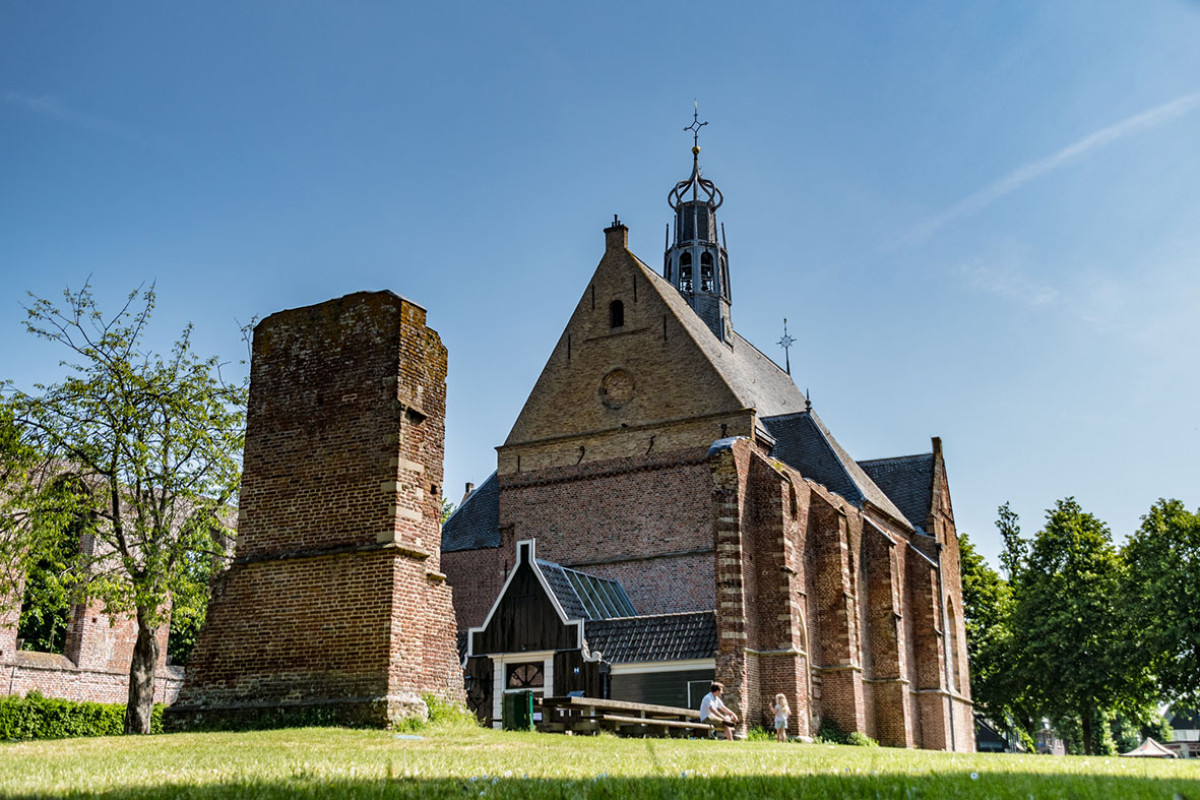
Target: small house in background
(1185,733)
(553,631)
(989,739)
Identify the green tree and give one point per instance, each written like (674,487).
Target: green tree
(1016,549)
(987,612)
(448,508)
(1070,648)
(1163,558)
(189,606)
(36,526)
(154,438)
(46,601)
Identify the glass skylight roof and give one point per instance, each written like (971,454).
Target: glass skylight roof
(600,598)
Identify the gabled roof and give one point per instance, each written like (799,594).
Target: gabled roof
(597,609)
(654,637)
(476,523)
(585,596)
(802,441)
(761,384)
(908,481)
(756,380)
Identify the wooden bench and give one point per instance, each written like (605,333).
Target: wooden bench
(667,725)
(590,714)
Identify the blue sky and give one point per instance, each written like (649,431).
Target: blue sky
(980,219)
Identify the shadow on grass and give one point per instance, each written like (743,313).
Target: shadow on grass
(812,787)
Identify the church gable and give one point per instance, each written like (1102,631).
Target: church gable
(632,356)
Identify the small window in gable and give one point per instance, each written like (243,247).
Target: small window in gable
(616,314)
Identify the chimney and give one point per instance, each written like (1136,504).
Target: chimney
(616,236)
(467,493)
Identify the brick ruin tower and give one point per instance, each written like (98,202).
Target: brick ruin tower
(334,607)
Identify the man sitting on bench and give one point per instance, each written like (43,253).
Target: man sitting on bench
(711,708)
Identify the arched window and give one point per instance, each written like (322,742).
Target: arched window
(685,272)
(706,272)
(616,314)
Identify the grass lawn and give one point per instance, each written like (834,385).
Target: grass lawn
(455,760)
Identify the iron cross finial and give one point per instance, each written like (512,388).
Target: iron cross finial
(786,342)
(696,125)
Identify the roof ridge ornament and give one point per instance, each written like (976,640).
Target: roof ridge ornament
(695,127)
(786,342)
(695,183)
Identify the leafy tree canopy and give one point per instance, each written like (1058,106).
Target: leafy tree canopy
(1071,651)
(1163,557)
(154,441)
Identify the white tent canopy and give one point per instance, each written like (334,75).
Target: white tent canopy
(1150,749)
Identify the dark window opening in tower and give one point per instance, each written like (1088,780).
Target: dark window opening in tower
(687,215)
(706,272)
(685,272)
(724,277)
(616,314)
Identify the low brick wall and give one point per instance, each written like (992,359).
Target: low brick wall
(57,676)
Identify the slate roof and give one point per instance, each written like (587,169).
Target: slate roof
(908,480)
(656,637)
(802,441)
(584,596)
(476,523)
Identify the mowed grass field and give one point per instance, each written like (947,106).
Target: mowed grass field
(459,761)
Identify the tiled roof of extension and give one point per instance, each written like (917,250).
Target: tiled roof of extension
(802,441)
(908,480)
(655,637)
(476,523)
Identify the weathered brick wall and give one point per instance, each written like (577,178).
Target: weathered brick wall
(10,618)
(55,676)
(943,527)
(94,665)
(730,468)
(97,641)
(335,598)
(476,577)
(644,521)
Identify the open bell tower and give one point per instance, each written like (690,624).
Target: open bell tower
(696,262)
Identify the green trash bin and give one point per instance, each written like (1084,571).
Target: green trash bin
(517,711)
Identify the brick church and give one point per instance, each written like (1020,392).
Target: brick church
(669,508)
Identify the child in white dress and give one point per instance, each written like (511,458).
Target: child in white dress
(782,711)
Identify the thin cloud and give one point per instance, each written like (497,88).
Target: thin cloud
(55,109)
(1147,120)
(1008,281)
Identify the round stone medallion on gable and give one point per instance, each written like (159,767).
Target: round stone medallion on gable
(616,389)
